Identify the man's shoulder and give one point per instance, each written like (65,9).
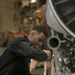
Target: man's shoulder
(17,41)
(20,38)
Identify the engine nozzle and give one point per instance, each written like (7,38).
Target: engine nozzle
(54,42)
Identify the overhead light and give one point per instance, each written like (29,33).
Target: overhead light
(33,1)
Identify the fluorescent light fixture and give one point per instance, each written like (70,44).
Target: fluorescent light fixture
(33,1)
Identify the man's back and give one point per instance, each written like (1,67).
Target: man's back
(12,63)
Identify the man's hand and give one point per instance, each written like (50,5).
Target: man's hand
(48,53)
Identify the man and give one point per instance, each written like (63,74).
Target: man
(15,60)
(39,18)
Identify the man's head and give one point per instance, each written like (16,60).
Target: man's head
(37,35)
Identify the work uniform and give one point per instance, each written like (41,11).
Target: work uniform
(38,16)
(16,58)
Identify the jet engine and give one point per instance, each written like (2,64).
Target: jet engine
(60,16)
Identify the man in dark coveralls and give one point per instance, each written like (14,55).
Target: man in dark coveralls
(16,58)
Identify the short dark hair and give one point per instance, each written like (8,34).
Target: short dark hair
(41,29)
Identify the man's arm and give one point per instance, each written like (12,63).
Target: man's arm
(33,65)
(27,49)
